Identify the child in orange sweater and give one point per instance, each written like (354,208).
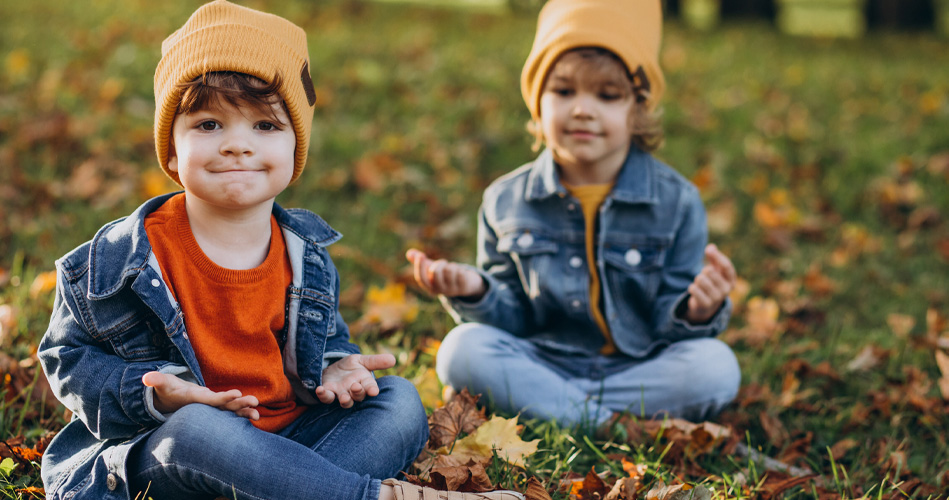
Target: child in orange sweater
(198,341)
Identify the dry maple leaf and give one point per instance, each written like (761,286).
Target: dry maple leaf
(498,435)
(460,415)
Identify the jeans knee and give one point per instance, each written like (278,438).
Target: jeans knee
(464,350)
(713,370)
(197,429)
(404,408)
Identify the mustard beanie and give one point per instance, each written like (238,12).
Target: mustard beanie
(631,29)
(221,36)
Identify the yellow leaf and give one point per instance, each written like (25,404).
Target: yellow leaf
(42,284)
(498,434)
(740,292)
(388,307)
(762,314)
(156,183)
(429,388)
(17,63)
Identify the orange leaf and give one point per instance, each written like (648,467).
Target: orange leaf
(42,284)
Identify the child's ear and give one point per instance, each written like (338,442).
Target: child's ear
(172,157)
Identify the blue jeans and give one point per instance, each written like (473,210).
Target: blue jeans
(201,452)
(692,379)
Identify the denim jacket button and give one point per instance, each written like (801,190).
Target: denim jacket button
(575,304)
(576,262)
(633,257)
(111,482)
(525,240)
(156,283)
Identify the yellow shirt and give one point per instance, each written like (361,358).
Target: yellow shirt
(591,196)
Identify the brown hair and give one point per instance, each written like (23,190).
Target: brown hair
(214,88)
(601,65)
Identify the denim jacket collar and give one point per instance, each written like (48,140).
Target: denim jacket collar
(127,237)
(636,183)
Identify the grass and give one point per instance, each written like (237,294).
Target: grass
(818,158)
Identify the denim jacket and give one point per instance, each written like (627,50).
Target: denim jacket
(531,252)
(114,319)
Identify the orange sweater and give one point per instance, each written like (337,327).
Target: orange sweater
(234,318)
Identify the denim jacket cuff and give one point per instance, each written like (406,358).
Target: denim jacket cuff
(714,326)
(332,357)
(179,371)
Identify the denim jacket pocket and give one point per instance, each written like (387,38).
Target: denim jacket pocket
(133,332)
(634,272)
(534,256)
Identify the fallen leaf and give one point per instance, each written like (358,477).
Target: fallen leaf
(777,483)
(840,448)
(740,292)
(818,283)
(591,487)
(388,308)
(942,360)
(535,490)
(43,284)
(460,415)
(777,433)
(900,324)
(722,217)
(868,358)
(679,492)
(497,435)
(155,183)
(373,172)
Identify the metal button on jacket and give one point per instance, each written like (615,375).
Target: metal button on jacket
(525,240)
(633,257)
(576,262)
(111,482)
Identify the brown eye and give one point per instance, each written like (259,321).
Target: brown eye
(208,125)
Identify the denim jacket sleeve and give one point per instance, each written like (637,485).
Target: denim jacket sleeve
(103,390)
(684,262)
(504,304)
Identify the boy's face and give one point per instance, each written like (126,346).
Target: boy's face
(585,120)
(233,157)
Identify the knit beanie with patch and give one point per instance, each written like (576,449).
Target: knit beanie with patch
(221,36)
(631,29)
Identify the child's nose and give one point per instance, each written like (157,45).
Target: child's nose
(583,106)
(237,142)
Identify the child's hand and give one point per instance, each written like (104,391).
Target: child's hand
(172,393)
(441,277)
(350,379)
(710,287)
